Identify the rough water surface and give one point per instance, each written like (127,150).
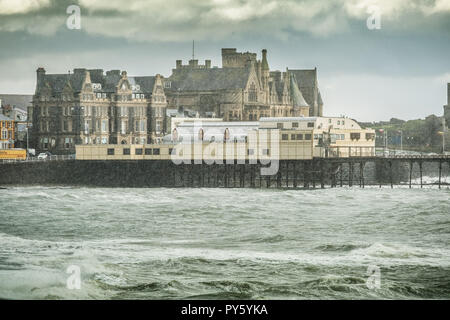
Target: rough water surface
(224,243)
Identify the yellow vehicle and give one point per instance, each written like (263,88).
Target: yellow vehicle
(20,154)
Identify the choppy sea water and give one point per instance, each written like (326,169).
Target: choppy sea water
(225,243)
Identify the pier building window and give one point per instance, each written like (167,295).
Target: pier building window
(148,152)
(307,136)
(4,134)
(294,124)
(293,137)
(370,136)
(284,136)
(266,152)
(252,94)
(126,151)
(355,135)
(156,151)
(299,136)
(279,125)
(104,140)
(310,124)
(138,151)
(110,151)
(104,125)
(250,152)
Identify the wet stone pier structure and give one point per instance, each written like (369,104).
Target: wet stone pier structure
(309,174)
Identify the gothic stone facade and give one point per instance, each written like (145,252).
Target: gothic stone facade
(89,106)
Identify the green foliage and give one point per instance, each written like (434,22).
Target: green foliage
(418,135)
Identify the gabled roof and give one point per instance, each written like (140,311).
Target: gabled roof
(20,101)
(307,83)
(5,118)
(209,79)
(296,95)
(146,84)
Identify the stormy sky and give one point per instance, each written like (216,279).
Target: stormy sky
(400,70)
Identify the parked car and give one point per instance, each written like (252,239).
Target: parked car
(44,155)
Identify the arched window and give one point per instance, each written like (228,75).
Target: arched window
(226,135)
(200,134)
(252,95)
(174,134)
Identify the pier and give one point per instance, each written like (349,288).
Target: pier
(331,172)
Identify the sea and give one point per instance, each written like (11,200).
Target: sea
(224,243)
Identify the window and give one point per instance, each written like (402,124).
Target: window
(279,125)
(307,136)
(310,124)
(250,152)
(299,136)
(148,152)
(339,122)
(252,94)
(294,124)
(370,136)
(293,137)
(126,151)
(284,137)
(4,134)
(342,136)
(104,125)
(172,150)
(110,151)
(156,151)
(355,135)
(104,140)
(266,152)
(138,151)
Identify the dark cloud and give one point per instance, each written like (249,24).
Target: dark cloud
(146,37)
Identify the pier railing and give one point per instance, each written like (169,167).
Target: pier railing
(36,159)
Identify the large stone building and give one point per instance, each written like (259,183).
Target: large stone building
(89,106)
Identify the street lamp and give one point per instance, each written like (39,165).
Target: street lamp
(27,142)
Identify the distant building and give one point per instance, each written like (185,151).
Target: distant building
(91,107)
(7,129)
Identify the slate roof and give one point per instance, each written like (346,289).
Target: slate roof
(146,84)
(296,95)
(20,101)
(209,79)
(306,80)
(5,118)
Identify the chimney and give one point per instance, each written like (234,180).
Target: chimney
(264,64)
(40,73)
(207,64)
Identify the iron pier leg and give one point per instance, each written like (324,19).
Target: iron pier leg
(361,172)
(390,174)
(440,173)
(420,170)
(322,174)
(295,174)
(305,181)
(410,173)
(350,174)
(287,174)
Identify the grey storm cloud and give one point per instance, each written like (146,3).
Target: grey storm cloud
(400,70)
(174,20)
